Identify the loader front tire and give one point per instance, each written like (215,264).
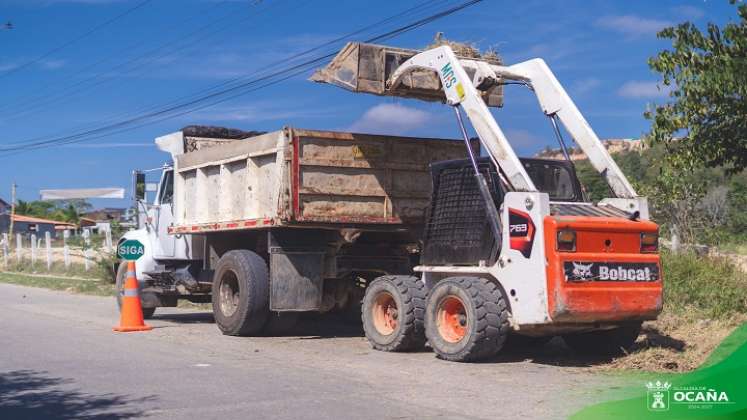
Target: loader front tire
(392,313)
(240,293)
(466,319)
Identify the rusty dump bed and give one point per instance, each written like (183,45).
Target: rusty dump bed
(297,177)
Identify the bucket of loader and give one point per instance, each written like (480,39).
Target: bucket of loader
(366,68)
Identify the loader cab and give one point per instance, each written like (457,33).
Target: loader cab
(457,231)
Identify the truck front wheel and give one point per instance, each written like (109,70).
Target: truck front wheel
(240,293)
(392,313)
(466,319)
(604,342)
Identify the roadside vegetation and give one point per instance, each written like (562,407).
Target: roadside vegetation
(67,284)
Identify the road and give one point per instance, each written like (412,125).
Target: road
(61,360)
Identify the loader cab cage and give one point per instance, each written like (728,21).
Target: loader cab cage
(457,231)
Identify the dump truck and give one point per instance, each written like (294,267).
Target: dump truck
(457,243)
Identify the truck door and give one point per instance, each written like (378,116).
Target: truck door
(165,215)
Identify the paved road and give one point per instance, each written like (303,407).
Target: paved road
(60,359)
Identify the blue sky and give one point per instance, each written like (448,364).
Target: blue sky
(598,50)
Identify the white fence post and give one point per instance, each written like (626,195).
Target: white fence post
(48,243)
(5,249)
(108,238)
(19,247)
(65,249)
(86,251)
(33,249)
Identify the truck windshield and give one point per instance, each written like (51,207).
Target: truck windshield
(556,178)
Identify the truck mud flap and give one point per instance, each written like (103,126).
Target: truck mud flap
(296,280)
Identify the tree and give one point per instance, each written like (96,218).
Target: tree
(707,73)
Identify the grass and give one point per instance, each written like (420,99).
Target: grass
(88,287)
(99,269)
(711,286)
(705,300)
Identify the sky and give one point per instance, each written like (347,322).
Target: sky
(72,65)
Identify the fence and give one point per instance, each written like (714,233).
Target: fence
(29,248)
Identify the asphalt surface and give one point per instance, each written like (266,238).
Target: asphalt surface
(61,360)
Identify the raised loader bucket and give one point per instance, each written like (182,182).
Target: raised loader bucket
(366,68)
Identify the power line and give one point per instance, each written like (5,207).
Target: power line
(74,40)
(134,63)
(222,95)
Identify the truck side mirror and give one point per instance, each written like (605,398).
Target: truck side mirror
(139,186)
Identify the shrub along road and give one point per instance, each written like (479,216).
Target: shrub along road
(61,347)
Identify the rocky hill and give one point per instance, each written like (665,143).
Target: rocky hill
(612,145)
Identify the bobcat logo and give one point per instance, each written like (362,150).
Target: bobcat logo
(582,271)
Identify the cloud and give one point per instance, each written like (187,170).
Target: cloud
(51,64)
(585,85)
(390,119)
(688,12)
(631,25)
(257,112)
(643,89)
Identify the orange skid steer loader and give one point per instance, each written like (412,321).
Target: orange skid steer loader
(511,246)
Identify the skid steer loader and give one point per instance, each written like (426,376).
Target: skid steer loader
(511,246)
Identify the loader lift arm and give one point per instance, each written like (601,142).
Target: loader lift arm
(553,99)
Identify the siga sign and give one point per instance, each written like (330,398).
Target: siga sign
(130,250)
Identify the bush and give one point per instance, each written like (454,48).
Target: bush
(714,286)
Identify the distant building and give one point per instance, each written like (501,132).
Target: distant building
(27,225)
(4,207)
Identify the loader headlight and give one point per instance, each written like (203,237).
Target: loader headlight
(649,242)
(567,240)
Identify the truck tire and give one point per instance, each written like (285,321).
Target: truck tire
(466,319)
(279,323)
(240,293)
(392,313)
(604,342)
(119,285)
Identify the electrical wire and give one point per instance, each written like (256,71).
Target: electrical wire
(224,94)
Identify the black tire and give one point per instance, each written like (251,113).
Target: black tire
(604,342)
(119,285)
(466,319)
(240,293)
(280,323)
(392,313)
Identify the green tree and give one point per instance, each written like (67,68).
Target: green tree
(707,74)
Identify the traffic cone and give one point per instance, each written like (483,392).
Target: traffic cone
(131,312)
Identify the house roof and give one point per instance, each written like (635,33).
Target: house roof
(29,219)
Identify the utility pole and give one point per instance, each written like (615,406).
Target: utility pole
(12,210)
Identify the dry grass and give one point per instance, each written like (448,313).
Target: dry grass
(676,343)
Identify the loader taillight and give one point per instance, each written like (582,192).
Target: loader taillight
(567,240)
(649,242)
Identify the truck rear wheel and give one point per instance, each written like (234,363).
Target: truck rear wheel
(604,342)
(392,313)
(119,285)
(240,293)
(466,319)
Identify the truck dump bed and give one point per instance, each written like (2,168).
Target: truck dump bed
(297,177)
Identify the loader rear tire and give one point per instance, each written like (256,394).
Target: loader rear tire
(240,293)
(392,313)
(604,342)
(119,285)
(466,319)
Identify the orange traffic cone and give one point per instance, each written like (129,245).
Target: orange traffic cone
(131,313)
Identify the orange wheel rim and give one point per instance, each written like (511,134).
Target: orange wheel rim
(451,319)
(385,313)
